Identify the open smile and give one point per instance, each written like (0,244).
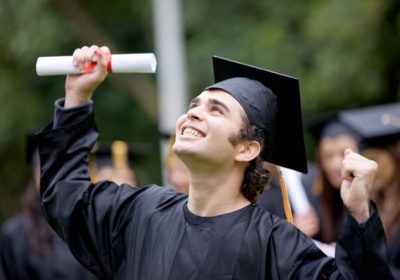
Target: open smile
(190,131)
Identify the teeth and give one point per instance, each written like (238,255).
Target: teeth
(191,131)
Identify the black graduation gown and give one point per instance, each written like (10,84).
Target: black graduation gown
(19,261)
(120,232)
(271,200)
(394,256)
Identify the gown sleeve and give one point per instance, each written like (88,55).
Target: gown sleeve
(87,216)
(360,253)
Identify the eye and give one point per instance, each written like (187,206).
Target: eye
(217,109)
(192,105)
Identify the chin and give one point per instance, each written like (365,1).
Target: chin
(178,148)
(185,147)
(337,184)
(181,151)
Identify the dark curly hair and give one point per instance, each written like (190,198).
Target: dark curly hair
(256,176)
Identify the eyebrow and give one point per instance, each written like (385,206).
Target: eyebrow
(212,101)
(219,103)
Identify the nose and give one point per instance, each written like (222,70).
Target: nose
(195,113)
(336,161)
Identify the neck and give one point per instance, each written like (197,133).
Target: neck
(390,194)
(215,186)
(214,191)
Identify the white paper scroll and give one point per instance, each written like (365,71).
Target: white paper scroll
(296,191)
(120,63)
(328,249)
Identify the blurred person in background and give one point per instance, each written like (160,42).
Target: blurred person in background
(113,162)
(176,172)
(29,248)
(379,128)
(323,182)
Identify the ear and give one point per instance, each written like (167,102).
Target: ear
(247,150)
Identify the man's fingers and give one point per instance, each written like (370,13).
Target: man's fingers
(80,57)
(354,164)
(92,54)
(105,50)
(87,57)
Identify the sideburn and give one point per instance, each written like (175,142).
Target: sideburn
(242,134)
(235,138)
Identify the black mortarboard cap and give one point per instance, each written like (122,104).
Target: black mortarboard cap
(316,124)
(272,103)
(328,125)
(377,125)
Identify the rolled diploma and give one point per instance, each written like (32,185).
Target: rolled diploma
(120,63)
(296,190)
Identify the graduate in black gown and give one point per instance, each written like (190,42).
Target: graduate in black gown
(322,184)
(216,231)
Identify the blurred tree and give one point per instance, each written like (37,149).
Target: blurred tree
(27,28)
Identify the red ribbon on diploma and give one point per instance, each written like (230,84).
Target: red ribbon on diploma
(91,65)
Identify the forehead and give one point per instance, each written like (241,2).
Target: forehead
(338,142)
(207,96)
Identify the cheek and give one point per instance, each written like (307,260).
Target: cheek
(331,164)
(180,121)
(386,171)
(332,167)
(227,135)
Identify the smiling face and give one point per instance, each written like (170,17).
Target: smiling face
(203,133)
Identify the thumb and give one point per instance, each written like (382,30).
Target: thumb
(345,184)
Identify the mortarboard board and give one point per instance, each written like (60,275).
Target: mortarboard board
(377,125)
(272,102)
(329,125)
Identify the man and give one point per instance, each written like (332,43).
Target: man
(215,232)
